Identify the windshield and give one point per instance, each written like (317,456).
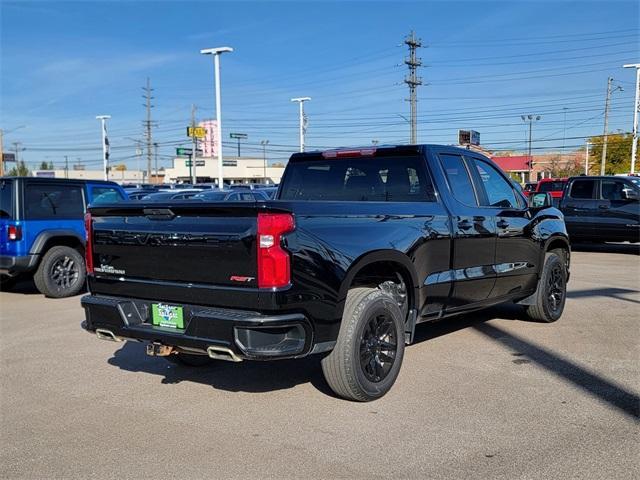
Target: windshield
(551,186)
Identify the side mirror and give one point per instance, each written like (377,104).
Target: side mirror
(540,200)
(629,194)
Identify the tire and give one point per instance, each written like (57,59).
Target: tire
(61,272)
(551,293)
(189,359)
(368,355)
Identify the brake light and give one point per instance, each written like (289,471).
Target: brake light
(14,233)
(358,152)
(88,248)
(273,261)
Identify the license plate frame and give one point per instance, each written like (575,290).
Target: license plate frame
(167,316)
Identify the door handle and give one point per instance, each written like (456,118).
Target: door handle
(465,225)
(503,224)
(603,207)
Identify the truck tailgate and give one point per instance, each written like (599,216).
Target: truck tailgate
(184,244)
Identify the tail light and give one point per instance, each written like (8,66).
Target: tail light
(14,233)
(273,261)
(88,248)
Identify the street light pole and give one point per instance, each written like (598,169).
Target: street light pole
(264,144)
(636,108)
(105,144)
(586,159)
(302,118)
(530,119)
(605,133)
(216,72)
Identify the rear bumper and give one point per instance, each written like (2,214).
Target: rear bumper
(13,266)
(249,335)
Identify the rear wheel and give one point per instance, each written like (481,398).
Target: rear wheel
(551,294)
(61,272)
(368,355)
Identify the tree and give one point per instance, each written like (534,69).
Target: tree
(44,166)
(618,154)
(20,170)
(51,166)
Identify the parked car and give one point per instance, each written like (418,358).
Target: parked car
(138,193)
(552,186)
(247,186)
(231,196)
(42,230)
(167,195)
(269,191)
(358,247)
(602,209)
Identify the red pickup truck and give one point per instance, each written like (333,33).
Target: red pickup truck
(552,186)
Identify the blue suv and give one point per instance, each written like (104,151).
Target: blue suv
(42,230)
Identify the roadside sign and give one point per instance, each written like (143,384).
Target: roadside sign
(199,163)
(239,136)
(198,132)
(468,137)
(186,152)
(9,157)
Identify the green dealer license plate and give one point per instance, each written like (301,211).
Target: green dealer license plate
(167,315)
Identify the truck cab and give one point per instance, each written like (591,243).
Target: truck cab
(42,230)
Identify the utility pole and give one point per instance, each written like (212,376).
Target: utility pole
(148,124)
(413,81)
(194,154)
(264,144)
(605,138)
(105,144)
(155,151)
(586,158)
(530,119)
(302,118)
(1,153)
(636,109)
(66,166)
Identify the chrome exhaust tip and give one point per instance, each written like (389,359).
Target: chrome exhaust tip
(158,350)
(104,334)
(222,353)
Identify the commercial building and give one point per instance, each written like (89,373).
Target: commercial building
(234,170)
(120,176)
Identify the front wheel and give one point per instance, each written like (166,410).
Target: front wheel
(61,272)
(551,294)
(368,355)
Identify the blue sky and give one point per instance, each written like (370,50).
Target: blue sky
(486,63)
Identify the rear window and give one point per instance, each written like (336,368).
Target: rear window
(6,199)
(372,179)
(551,186)
(42,201)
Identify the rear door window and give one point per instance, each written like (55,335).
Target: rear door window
(583,189)
(51,201)
(6,198)
(458,178)
(359,179)
(499,191)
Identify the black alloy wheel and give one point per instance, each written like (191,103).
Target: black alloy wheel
(378,347)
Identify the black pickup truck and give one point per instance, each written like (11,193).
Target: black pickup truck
(357,248)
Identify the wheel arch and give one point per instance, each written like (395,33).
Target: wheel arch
(558,242)
(53,238)
(380,265)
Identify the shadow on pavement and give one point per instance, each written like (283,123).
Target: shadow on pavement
(604,292)
(24,286)
(593,384)
(627,248)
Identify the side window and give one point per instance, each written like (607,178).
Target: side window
(583,189)
(105,195)
(233,197)
(458,178)
(44,201)
(612,189)
(499,191)
(6,199)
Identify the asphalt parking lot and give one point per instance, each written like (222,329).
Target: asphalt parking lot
(484,396)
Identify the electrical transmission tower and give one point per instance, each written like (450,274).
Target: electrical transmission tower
(148,123)
(413,62)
